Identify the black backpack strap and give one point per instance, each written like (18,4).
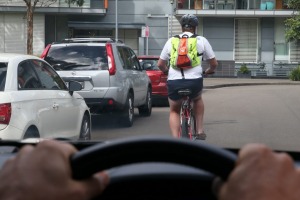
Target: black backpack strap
(182,74)
(194,36)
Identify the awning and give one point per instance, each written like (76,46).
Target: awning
(103,25)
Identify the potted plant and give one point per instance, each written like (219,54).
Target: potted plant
(244,72)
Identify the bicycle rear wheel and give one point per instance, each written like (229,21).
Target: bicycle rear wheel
(193,126)
(184,126)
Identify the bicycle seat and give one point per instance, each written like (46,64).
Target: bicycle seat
(184,92)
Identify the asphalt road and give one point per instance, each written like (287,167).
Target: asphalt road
(234,116)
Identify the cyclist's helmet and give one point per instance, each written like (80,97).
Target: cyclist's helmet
(189,21)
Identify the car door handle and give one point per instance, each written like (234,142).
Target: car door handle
(55,106)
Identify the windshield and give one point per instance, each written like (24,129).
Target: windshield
(78,57)
(237,110)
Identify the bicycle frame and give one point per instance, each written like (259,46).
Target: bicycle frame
(187,118)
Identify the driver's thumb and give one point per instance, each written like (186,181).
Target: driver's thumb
(96,184)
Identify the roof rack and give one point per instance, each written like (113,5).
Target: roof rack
(85,40)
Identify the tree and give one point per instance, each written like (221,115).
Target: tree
(292,32)
(31,5)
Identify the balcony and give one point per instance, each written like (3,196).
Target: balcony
(90,7)
(234,8)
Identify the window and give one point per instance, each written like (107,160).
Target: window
(27,78)
(81,57)
(134,60)
(295,51)
(48,77)
(3,68)
(126,57)
(246,40)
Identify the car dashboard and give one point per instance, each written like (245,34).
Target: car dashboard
(150,168)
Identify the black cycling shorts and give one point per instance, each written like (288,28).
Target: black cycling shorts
(196,85)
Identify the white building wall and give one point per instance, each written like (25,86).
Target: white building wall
(13,33)
(2,31)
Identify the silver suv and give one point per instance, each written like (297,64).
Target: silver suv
(113,80)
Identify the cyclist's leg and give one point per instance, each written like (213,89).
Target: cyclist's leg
(175,105)
(199,113)
(199,107)
(174,119)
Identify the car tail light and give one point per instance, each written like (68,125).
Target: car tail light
(163,77)
(5,113)
(111,60)
(45,52)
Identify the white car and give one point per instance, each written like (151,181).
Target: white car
(36,103)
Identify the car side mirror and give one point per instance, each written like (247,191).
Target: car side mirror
(74,86)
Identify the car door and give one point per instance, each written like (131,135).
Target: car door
(143,79)
(134,73)
(65,114)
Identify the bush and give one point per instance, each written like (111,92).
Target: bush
(295,74)
(244,69)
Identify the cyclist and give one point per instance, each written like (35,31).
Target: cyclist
(193,77)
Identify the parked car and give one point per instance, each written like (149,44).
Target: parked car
(157,77)
(113,80)
(36,103)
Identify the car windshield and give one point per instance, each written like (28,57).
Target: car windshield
(78,57)
(237,110)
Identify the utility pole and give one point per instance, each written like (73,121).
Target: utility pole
(117,20)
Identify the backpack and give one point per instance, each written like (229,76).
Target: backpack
(184,52)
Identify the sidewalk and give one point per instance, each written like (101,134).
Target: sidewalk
(211,83)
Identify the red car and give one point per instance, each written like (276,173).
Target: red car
(157,77)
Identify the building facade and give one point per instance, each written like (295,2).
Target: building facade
(248,32)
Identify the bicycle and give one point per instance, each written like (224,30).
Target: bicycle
(188,126)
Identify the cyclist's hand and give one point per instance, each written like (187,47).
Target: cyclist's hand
(207,72)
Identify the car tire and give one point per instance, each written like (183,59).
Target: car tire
(145,110)
(127,118)
(31,132)
(85,130)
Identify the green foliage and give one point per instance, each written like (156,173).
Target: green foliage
(292,32)
(244,69)
(295,74)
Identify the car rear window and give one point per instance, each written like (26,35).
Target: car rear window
(77,57)
(149,64)
(3,69)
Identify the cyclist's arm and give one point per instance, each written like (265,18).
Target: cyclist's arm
(164,57)
(213,63)
(209,55)
(162,65)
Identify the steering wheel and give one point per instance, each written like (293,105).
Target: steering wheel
(198,164)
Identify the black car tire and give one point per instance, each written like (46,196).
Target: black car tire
(128,115)
(145,110)
(85,130)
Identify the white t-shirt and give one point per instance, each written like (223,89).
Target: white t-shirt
(203,46)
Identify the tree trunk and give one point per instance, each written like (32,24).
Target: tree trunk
(30,30)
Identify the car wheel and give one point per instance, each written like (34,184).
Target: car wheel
(145,110)
(127,118)
(32,132)
(85,130)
